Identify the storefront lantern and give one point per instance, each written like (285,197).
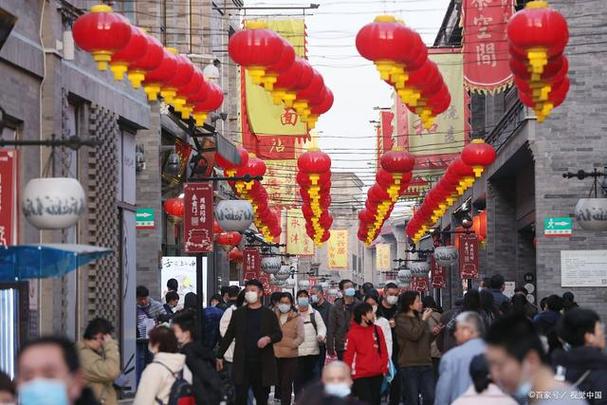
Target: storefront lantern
(404,276)
(445,255)
(271,264)
(479,155)
(303,284)
(234,215)
(53,203)
(175,207)
(283,274)
(591,214)
(235,255)
(153,57)
(419,269)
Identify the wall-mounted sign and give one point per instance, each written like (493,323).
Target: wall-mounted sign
(198,218)
(584,268)
(144,218)
(468,256)
(559,227)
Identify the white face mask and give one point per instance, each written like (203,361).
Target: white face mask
(250,297)
(284,308)
(392,299)
(340,390)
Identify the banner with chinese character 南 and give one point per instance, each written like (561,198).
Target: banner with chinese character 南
(338,249)
(270,130)
(485,45)
(298,242)
(198,217)
(382,257)
(468,256)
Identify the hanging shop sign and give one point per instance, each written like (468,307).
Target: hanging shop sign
(198,219)
(382,257)
(298,242)
(53,203)
(144,218)
(7,197)
(338,249)
(468,256)
(252,263)
(438,274)
(558,227)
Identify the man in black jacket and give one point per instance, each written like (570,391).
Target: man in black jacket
(340,317)
(586,363)
(255,329)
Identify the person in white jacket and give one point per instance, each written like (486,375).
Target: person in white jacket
(373,300)
(159,376)
(314,336)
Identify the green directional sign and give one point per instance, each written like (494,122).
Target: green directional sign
(558,227)
(144,218)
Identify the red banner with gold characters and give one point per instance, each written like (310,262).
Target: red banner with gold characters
(485,46)
(252,268)
(198,217)
(438,275)
(468,256)
(419,284)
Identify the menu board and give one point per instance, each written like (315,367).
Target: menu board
(584,268)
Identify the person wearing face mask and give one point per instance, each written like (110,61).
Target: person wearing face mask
(254,329)
(49,373)
(366,354)
(520,366)
(335,387)
(7,390)
(226,373)
(339,319)
(315,333)
(388,309)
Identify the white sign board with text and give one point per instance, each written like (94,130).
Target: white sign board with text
(584,268)
(182,269)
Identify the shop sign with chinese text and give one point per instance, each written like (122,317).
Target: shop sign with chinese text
(468,256)
(438,275)
(198,218)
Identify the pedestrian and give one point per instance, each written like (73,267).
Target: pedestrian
(543,302)
(471,302)
(320,304)
(200,360)
(255,329)
(224,297)
(497,285)
(366,288)
(212,316)
(388,309)
(100,360)
(315,333)
(366,354)
(8,393)
(171,300)
(485,284)
(531,309)
(49,373)
(172,285)
(585,363)
(287,350)
(482,391)
(226,372)
(340,318)
(520,366)
(335,387)
(274,298)
(148,312)
(168,365)
(434,321)
(518,305)
(373,300)
(569,301)
(454,373)
(190,301)
(233,296)
(545,322)
(414,339)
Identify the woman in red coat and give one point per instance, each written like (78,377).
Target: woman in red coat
(366,354)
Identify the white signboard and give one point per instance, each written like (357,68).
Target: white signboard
(182,269)
(584,268)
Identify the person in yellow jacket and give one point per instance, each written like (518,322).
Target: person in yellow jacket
(100,359)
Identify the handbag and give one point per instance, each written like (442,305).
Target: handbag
(388,378)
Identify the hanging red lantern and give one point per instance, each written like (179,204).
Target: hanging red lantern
(479,225)
(216,228)
(152,59)
(212,102)
(193,87)
(134,50)
(175,207)
(235,255)
(255,167)
(102,33)
(156,78)
(287,58)
(184,70)
(227,165)
(479,155)
(395,161)
(287,82)
(317,110)
(314,161)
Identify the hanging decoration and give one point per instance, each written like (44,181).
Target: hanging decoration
(236,255)
(175,207)
(537,37)
(53,203)
(234,215)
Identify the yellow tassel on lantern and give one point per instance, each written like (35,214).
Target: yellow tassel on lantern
(538,59)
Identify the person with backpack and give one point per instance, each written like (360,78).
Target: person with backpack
(200,360)
(366,354)
(164,380)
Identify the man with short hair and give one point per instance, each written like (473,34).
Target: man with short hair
(172,285)
(586,362)
(340,318)
(388,309)
(497,285)
(100,360)
(320,304)
(148,312)
(48,372)
(255,329)
(454,377)
(171,299)
(520,366)
(223,305)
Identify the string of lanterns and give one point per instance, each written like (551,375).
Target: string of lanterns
(314,179)
(271,62)
(401,58)
(459,176)
(392,180)
(537,37)
(126,49)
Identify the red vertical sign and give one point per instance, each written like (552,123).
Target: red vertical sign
(198,218)
(420,284)
(252,263)
(468,256)
(7,197)
(438,275)
(485,45)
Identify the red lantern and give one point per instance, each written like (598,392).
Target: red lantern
(216,228)
(102,33)
(235,255)
(175,207)
(227,165)
(479,155)
(134,50)
(212,102)
(229,238)
(314,161)
(479,225)
(163,73)
(255,167)
(397,161)
(193,87)
(183,73)
(287,81)
(152,59)
(287,58)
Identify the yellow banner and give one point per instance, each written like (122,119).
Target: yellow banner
(338,249)
(265,117)
(382,257)
(279,182)
(298,242)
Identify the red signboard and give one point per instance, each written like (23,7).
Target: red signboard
(468,256)
(275,147)
(485,45)
(439,274)
(7,197)
(198,218)
(419,284)
(251,263)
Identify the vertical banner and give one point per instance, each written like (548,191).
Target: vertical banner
(485,45)
(438,275)
(338,249)
(279,181)
(468,256)
(198,217)
(298,241)
(251,263)
(382,257)
(8,230)
(419,284)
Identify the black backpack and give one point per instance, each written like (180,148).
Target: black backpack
(181,390)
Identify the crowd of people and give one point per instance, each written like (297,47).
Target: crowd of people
(390,346)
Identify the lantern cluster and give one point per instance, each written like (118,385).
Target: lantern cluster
(392,180)
(126,49)
(460,175)
(271,62)
(401,58)
(266,219)
(314,179)
(537,38)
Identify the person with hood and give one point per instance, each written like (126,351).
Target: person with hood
(168,364)
(200,360)
(340,317)
(569,301)
(366,354)
(585,363)
(482,391)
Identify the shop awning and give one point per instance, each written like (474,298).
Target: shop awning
(25,262)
